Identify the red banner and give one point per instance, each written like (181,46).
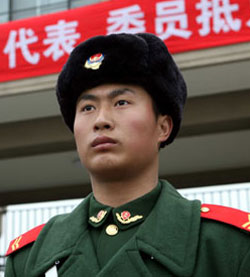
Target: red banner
(40,45)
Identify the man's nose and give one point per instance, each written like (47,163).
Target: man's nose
(104,120)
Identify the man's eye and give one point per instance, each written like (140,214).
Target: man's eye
(88,108)
(122,103)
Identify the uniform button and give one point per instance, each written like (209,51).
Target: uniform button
(205,209)
(111,230)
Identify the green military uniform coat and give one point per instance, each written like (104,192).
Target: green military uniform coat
(173,241)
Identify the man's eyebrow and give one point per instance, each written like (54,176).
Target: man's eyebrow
(120,91)
(114,93)
(87,96)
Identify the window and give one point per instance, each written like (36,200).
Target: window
(16,9)
(78,3)
(4,11)
(29,8)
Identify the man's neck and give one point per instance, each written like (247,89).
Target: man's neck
(115,193)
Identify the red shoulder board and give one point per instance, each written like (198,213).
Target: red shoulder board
(24,239)
(227,215)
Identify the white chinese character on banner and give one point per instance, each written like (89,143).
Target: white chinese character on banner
(172,20)
(26,37)
(61,37)
(248,23)
(220,11)
(126,20)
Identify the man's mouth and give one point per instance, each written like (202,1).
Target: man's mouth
(101,140)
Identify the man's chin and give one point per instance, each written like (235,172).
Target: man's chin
(107,169)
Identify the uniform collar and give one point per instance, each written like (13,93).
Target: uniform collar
(124,216)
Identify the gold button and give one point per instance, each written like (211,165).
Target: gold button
(111,230)
(205,209)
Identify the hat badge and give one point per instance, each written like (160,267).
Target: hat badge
(94,62)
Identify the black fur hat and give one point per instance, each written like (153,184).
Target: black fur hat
(141,59)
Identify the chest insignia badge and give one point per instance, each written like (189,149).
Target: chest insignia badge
(125,217)
(100,216)
(94,62)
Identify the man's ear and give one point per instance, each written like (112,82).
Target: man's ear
(165,127)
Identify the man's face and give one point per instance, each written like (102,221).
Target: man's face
(116,130)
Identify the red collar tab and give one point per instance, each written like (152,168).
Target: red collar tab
(235,217)
(24,239)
